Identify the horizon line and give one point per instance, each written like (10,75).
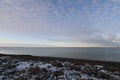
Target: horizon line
(59,47)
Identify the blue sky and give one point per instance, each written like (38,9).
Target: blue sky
(60,23)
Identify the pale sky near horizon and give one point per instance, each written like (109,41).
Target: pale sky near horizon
(60,23)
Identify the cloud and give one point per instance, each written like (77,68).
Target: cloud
(74,21)
(38,17)
(116,40)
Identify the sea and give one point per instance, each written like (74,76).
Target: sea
(88,53)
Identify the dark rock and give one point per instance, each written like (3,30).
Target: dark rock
(57,64)
(102,74)
(7,73)
(94,71)
(5,78)
(11,66)
(35,70)
(86,69)
(117,73)
(21,78)
(17,73)
(113,77)
(37,78)
(4,60)
(83,79)
(44,70)
(48,66)
(31,64)
(58,73)
(77,68)
(16,62)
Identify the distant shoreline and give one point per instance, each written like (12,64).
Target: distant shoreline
(59,47)
(111,65)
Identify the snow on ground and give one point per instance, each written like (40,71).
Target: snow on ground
(16,69)
(22,65)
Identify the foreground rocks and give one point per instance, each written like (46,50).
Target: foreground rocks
(20,69)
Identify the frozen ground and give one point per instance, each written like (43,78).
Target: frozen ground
(20,69)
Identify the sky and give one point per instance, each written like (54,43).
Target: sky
(60,23)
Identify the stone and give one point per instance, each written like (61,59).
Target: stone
(21,78)
(117,73)
(114,77)
(58,73)
(4,78)
(9,66)
(76,68)
(83,79)
(44,70)
(37,78)
(102,74)
(57,64)
(86,69)
(35,70)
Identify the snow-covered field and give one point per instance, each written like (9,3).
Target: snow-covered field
(20,69)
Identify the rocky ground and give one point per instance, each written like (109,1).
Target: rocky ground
(23,69)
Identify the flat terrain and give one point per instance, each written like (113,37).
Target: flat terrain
(27,67)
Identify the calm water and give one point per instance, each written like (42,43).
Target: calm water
(108,54)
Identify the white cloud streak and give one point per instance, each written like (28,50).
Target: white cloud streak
(74,21)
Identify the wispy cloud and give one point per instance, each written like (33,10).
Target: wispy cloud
(65,21)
